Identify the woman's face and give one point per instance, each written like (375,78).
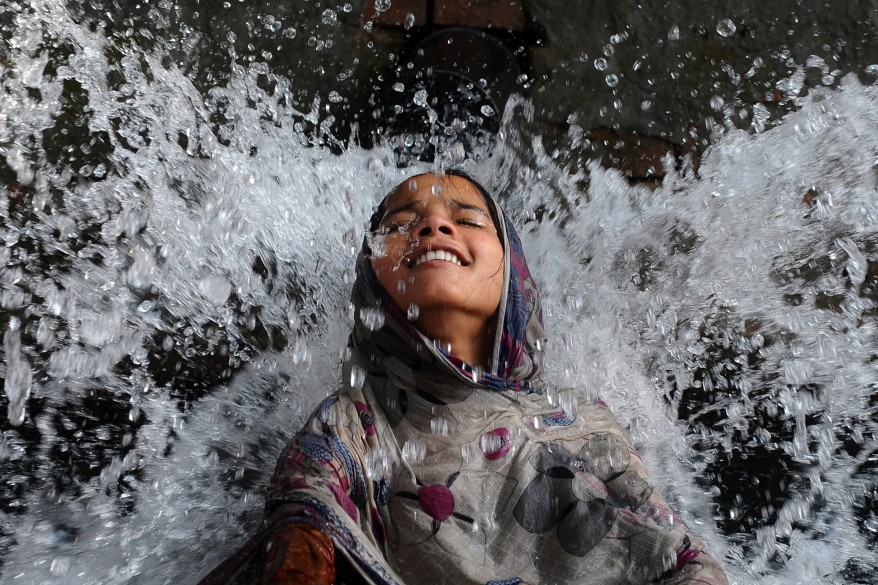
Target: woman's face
(437,250)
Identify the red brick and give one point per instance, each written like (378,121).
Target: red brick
(502,14)
(640,157)
(396,14)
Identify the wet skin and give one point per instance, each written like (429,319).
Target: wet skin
(456,297)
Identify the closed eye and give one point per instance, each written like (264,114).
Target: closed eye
(471,218)
(399,222)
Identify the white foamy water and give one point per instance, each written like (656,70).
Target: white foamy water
(752,282)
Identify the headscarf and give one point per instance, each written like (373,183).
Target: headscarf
(424,469)
(519,337)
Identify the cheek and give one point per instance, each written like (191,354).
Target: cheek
(392,249)
(386,254)
(493,257)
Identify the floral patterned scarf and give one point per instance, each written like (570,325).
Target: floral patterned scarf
(424,469)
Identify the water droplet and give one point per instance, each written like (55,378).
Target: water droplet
(378,463)
(215,289)
(645,105)
(329,17)
(717,103)
(725,27)
(358,376)
(409,21)
(271,23)
(19,376)
(600,64)
(60,566)
(32,73)
(442,426)
(382,5)
(674,33)
(491,443)
(413,312)
(476,374)
(436,190)
(469,452)
(420,98)
(414,450)
(301,353)
(567,401)
(46,332)
(140,273)
(612,80)
(487,110)
(457,153)
(373,319)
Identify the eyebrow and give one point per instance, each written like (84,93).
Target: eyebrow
(414,205)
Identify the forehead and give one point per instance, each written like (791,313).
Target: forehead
(422,190)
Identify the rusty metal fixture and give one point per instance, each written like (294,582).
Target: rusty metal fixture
(449,95)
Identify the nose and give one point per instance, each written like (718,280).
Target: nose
(435,223)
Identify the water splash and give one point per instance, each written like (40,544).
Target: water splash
(175,274)
(18,376)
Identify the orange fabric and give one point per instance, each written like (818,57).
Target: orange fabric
(299,554)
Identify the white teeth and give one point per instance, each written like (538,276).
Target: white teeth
(438,255)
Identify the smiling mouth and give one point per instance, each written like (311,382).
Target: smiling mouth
(437,255)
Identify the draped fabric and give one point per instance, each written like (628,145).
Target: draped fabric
(424,469)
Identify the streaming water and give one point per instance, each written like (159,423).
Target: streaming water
(171,312)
